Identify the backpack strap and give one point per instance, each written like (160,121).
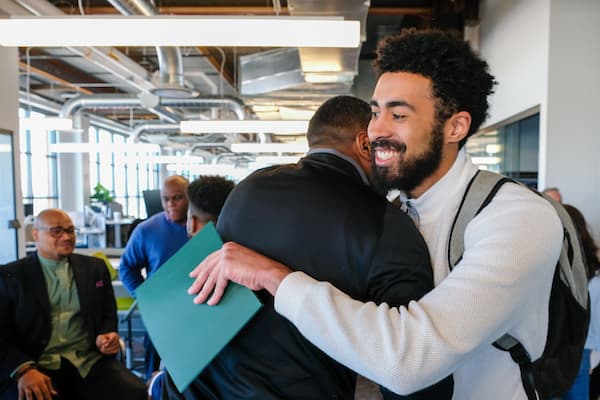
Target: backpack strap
(523,359)
(479,193)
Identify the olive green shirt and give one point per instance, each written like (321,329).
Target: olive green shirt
(68,338)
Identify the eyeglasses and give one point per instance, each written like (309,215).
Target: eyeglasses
(58,231)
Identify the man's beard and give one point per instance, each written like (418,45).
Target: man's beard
(407,173)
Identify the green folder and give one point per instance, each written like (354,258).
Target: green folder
(186,335)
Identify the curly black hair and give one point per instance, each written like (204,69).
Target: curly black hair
(208,193)
(460,78)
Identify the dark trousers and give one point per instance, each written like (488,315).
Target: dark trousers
(151,359)
(107,380)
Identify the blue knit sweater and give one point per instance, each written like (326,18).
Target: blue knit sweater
(152,243)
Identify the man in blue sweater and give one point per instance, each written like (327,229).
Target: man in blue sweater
(152,243)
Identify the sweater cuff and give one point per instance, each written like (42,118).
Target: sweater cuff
(291,291)
(13,374)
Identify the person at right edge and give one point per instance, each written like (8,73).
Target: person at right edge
(581,386)
(321,215)
(431,95)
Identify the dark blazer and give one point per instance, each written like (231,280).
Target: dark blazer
(318,217)
(25,324)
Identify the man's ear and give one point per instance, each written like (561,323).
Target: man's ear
(363,145)
(34,234)
(193,224)
(457,127)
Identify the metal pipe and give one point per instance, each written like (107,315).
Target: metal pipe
(44,104)
(110,101)
(110,60)
(232,103)
(170,63)
(130,101)
(142,128)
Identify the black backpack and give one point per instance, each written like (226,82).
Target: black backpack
(569,312)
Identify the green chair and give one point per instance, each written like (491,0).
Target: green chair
(126,305)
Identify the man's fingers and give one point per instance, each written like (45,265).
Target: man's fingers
(206,289)
(208,263)
(198,283)
(39,394)
(218,292)
(50,388)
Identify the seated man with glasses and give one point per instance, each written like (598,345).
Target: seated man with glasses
(58,323)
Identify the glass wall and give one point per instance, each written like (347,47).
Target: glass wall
(511,150)
(126,176)
(39,178)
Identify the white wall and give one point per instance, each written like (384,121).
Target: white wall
(9,120)
(514,42)
(546,53)
(572,145)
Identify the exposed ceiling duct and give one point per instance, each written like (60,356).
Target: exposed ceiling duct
(79,103)
(171,81)
(40,103)
(143,128)
(335,65)
(269,76)
(110,60)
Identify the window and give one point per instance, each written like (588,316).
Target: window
(39,167)
(511,150)
(125,175)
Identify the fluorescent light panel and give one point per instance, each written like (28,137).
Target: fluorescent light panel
(104,148)
(292,147)
(280,127)
(259,31)
(48,123)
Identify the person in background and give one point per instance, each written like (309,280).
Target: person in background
(152,243)
(58,323)
(430,97)
(581,386)
(554,193)
(206,195)
(322,216)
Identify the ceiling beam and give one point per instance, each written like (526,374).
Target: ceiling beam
(62,72)
(51,77)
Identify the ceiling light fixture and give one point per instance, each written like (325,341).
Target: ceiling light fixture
(291,147)
(221,31)
(279,127)
(329,77)
(46,124)
(77,147)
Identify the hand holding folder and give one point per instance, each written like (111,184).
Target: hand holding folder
(186,335)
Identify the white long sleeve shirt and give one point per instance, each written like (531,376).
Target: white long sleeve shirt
(502,284)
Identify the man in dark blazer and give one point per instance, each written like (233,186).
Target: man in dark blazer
(58,323)
(315,215)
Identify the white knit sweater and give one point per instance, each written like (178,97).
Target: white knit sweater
(501,285)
